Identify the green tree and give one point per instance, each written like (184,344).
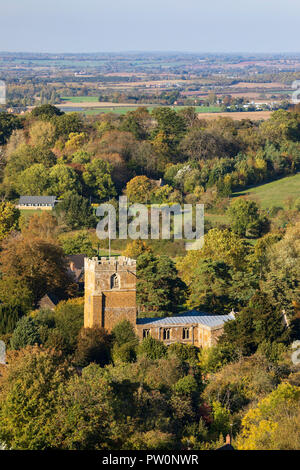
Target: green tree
(152,348)
(34,180)
(25,334)
(75,211)
(9,218)
(246,219)
(209,287)
(62,180)
(97,177)
(46,111)
(125,342)
(93,346)
(8,123)
(68,317)
(254,324)
(80,243)
(159,288)
(28,398)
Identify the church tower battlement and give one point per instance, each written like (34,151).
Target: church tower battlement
(110,291)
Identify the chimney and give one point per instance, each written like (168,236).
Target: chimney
(228,439)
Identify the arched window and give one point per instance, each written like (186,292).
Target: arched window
(115,281)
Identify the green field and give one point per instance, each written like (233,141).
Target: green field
(81,99)
(275,194)
(124,109)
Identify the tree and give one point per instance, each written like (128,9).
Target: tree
(28,398)
(42,134)
(33,181)
(135,249)
(65,124)
(125,342)
(24,157)
(204,144)
(219,245)
(62,180)
(281,271)
(9,219)
(75,211)
(89,402)
(8,123)
(93,346)
(273,423)
(137,122)
(246,219)
(46,111)
(159,288)
(152,348)
(26,333)
(257,323)
(282,126)
(209,287)
(170,123)
(97,177)
(43,226)
(140,189)
(80,243)
(37,264)
(68,317)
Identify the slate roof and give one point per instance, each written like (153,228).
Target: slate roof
(32,200)
(48,301)
(186,318)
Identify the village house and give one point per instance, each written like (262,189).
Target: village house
(37,202)
(110,297)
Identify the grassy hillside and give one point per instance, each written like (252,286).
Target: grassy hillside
(275,194)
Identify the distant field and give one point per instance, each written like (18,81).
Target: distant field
(81,99)
(125,109)
(259,85)
(274,194)
(253,115)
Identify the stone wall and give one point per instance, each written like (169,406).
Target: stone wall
(196,334)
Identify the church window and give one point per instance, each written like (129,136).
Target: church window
(146,333)
(185,333)
(115,282)
(166,333)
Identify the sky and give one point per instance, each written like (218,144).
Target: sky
(149,25)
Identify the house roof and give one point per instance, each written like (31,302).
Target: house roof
(186,318)
(37,200)
(49,300)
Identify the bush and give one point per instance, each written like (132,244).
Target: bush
(152,348)
(186,385)
(25,334)
(185,352)
(93,346)
(68,321)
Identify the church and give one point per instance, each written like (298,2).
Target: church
(110,297)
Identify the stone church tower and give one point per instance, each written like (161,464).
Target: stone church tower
(110,291)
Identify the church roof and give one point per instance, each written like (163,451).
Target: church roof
(186,318)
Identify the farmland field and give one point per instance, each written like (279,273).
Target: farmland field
(276,193)
(125,109)
(81,99)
